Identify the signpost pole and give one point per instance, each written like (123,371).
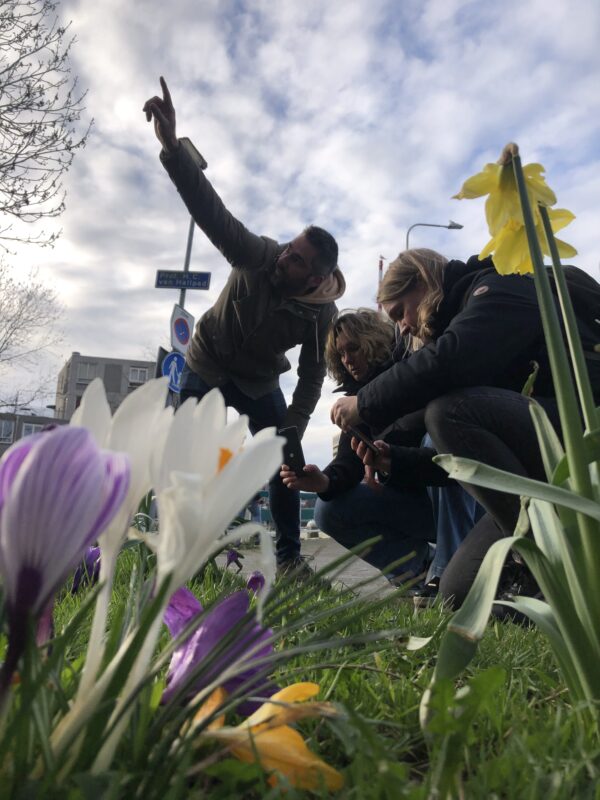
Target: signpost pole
(186,263)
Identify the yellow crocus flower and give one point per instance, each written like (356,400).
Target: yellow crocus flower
(266,737)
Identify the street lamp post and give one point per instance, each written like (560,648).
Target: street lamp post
(453,226)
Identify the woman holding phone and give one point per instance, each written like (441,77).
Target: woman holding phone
(476,336)
(351,507)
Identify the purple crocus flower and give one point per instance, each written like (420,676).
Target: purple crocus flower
(58,492)
(255,582)
(88,571)
(233,557)
(217,623)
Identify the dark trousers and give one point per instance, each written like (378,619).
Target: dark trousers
(403,518)
(263,412)
(493,426)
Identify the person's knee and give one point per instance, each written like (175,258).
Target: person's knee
(326,516)
(437,416)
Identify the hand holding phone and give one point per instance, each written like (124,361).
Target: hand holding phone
(364,439)
(293,456)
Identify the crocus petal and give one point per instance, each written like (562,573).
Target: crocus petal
(45,627)
(11,463)
(177,453)
(131,432)
(223,618)
(88,571)
(193,516)
(183,607)
(245,475)
(215,700)
(255,582)
(61,495)
(210,422)
(233,557)
(282,750)
(294,693)
(93,412)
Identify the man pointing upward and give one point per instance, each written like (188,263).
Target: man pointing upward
(276,297)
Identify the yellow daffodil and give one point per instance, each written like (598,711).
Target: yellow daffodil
(505,218)
(267,737)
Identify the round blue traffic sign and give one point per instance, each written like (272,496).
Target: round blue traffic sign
(172,367)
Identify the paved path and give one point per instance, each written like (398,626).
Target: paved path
(324,550)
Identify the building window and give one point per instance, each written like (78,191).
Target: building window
(30,427)
(7,428)
(86,371)
(138,374)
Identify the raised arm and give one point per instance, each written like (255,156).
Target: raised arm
(186,166)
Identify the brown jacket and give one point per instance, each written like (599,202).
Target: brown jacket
(245,335)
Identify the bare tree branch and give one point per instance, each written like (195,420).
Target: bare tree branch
(40,106)
(29,313)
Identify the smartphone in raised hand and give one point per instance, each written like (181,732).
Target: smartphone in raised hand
(364,439)
(292,451)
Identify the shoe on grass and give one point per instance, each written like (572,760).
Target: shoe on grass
(298,569)
(426,595)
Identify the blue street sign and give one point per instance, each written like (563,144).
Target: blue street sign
(178,279)
(172,367)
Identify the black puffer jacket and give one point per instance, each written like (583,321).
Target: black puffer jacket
(487,332)
(412,467)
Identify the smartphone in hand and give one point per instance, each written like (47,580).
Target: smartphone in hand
(292,451)
(364,439)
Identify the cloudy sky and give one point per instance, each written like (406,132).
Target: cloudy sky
(363,117)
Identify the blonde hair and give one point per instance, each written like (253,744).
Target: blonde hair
(371,330)
(413,268)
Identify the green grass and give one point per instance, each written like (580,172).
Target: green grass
(524,741)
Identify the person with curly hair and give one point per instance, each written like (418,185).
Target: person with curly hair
(351,507)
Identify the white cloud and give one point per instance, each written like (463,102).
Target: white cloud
(363,117)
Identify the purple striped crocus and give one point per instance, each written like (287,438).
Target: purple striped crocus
(58,491)
(227,615)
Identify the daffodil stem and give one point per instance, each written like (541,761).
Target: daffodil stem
(586,397)
(565,393)
(585,546)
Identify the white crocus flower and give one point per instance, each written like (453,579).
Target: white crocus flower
(202,477)
(139,420)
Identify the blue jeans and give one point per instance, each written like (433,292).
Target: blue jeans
(456,513)
(263,412)
(403,518)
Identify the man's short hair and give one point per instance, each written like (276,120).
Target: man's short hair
(326,247)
